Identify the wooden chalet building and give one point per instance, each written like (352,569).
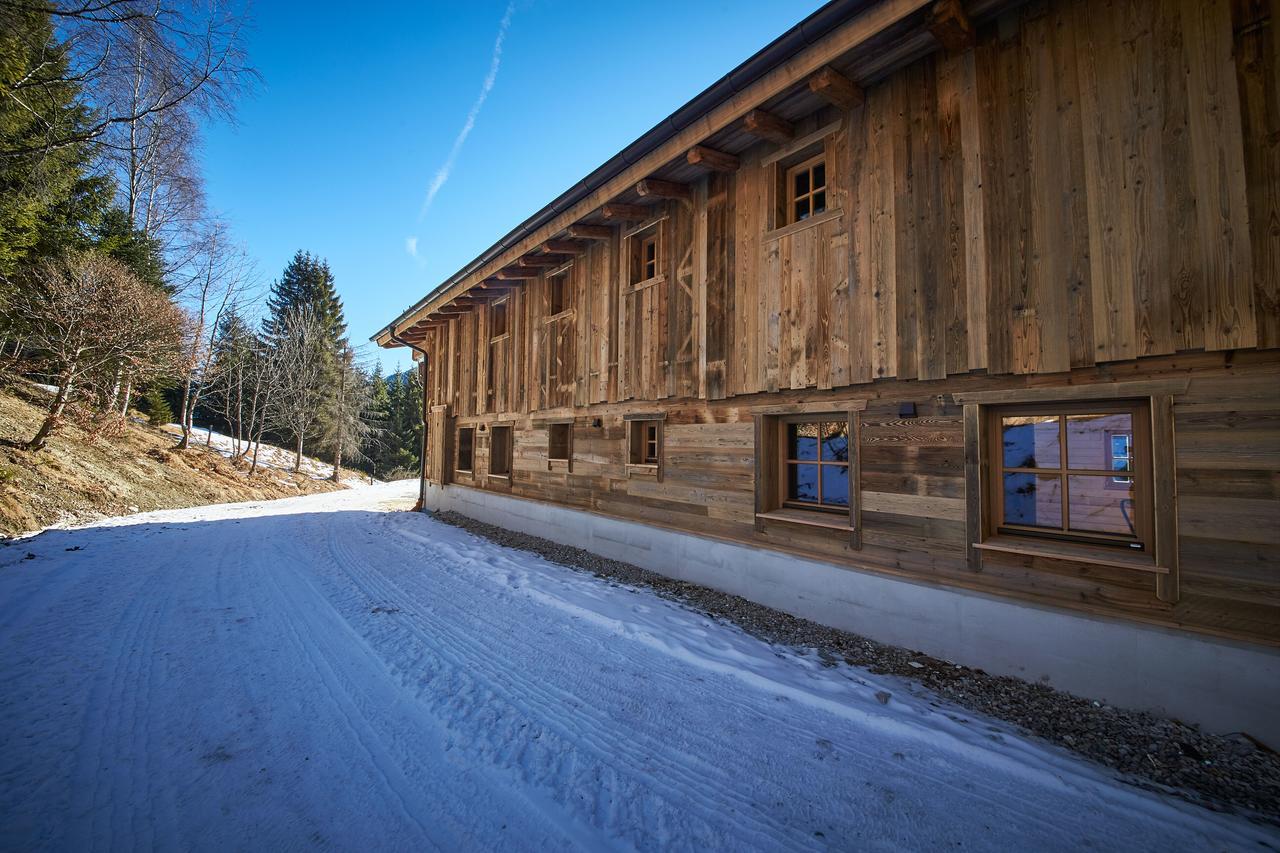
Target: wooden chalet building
(952,324)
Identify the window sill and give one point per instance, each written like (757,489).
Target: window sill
(1075,553)
(636,469)
(648,282)
(506,477)
(558,464)
(803,224)
(808,518)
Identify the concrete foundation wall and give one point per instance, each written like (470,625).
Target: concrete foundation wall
(1222,685)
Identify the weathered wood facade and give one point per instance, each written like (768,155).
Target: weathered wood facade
(1025,203)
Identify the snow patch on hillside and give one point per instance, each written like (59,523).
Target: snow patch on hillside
(271,456)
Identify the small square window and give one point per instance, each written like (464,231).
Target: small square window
(559,437)
(558,293)
(500,451)
(498,319)
(816,462)
(466,449)
(807,189)
(646,442)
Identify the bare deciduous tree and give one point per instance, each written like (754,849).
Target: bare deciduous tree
(301,349)
(347,420)
(82,316)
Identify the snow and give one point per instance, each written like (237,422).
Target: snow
(323,672)
(270,456)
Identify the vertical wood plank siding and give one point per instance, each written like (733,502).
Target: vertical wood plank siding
(1089,193)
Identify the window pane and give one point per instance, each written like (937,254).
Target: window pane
(1033,500)
(801,183)
(835,485)
(1030,442)
(835,442)
(802,483)
(1090,440)
(819,202)
(819,175)
(802,441)
(1099,505)
(802,209)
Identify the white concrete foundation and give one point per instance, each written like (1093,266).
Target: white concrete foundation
(1222,685)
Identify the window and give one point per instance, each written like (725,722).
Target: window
(558,293)
(649,256)
(646,442)
(807,189)
(646,255)
(1054,472)
(466,449)
(816,463)
(559,437)
(500,451)
(497,319)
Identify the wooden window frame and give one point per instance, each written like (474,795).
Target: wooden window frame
(560,279)
(793,198)
(650,234)
(502,471)
(565,461)
(471,445)
(1140,415)
(783,497)
(499,308)
(1162,561)
(770,474)
(639,462)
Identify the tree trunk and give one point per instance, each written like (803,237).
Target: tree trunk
(297,458)
(337,465)
(128,395)
(51,420)
(185,420)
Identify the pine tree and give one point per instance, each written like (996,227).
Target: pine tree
(307,283)
(159,412)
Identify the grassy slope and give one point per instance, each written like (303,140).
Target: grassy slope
(75,479)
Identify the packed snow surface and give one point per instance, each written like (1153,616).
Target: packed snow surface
(324,672)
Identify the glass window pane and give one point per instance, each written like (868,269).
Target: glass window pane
(835,485)
(819,202)
(1030,441)
(835,442)
(802,483)
(1033,500)
(1100,505)
(802,441)
(801,183)
(802,209)
(1090,439)
(819,175)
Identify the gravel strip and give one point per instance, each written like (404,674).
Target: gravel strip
(1227,773)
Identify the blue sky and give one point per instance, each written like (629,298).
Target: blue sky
(358,114)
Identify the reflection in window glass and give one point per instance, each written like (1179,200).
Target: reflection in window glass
(1033,500)
(1089,445)
(1100,506)
(835,485)
(803,441)
(835,442)
(1030,441)
(817,463)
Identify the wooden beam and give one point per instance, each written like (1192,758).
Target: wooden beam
(768,126)
(836,88)
(563,247)
(656,189)
(590,232)
(951,26)
(517,273)
(615,212)
(543,260)
(710,158)
(454,309)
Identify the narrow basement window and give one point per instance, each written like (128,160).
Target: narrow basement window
(646,442)
(500,451)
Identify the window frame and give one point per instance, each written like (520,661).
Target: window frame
(644,430)
(559,281)
(1141,472)
(471,447)
(552,427)
(793,198)
(499,308)
(784,498)
(507,456)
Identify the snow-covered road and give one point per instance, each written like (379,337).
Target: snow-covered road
(321,672)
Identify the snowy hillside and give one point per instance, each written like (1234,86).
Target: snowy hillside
(271,456)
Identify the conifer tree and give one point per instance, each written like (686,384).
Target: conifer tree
(306,284)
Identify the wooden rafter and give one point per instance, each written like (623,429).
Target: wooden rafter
(653,188)
(590,232)
(543,260)
(768,126)
(615,212)
(951,26)
(517,273)
(563,247)
(836,88)
(710,158)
